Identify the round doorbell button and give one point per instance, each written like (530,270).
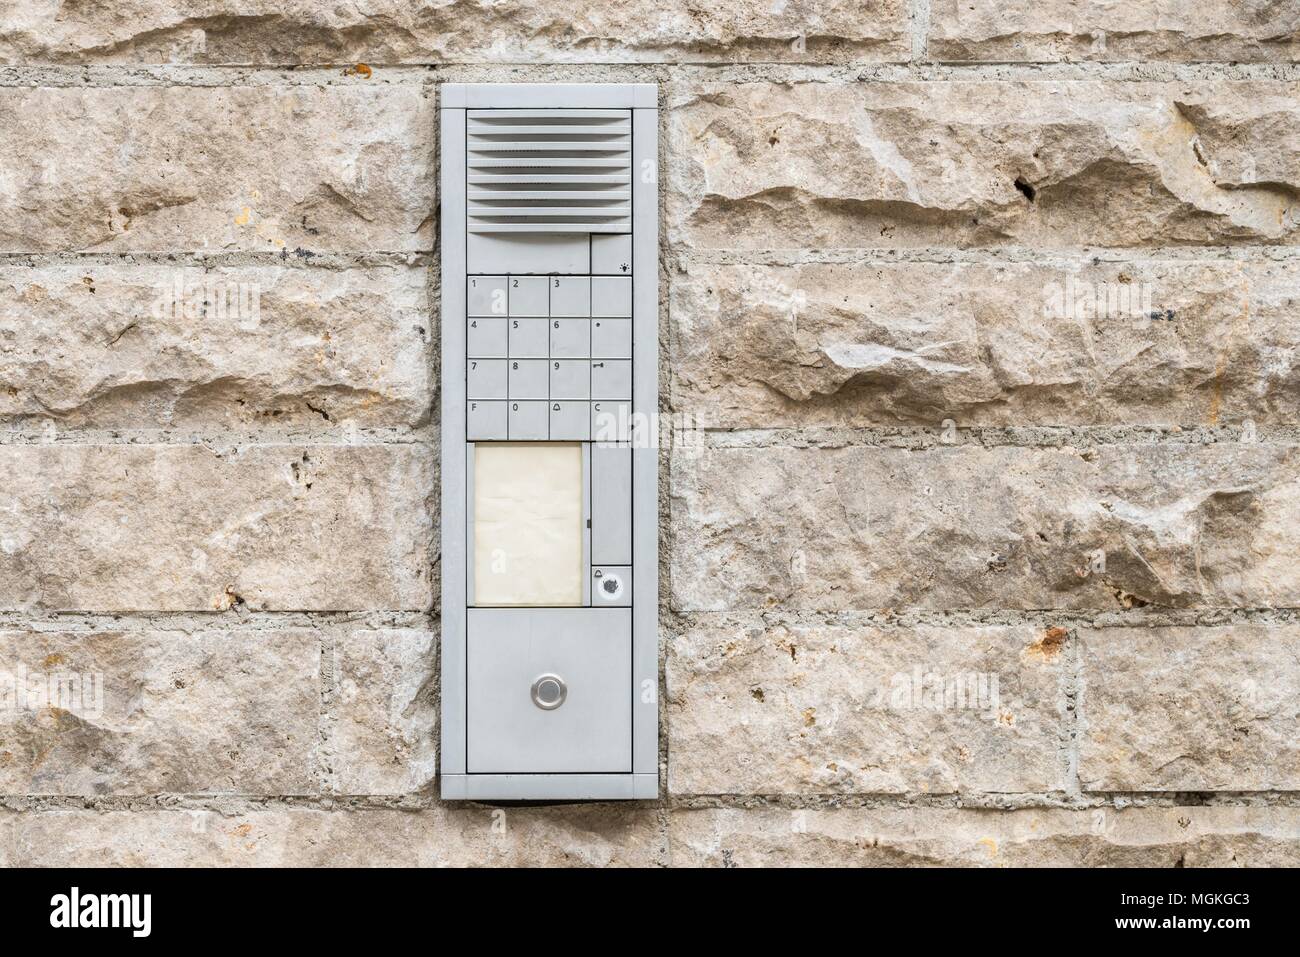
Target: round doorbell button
(549,692)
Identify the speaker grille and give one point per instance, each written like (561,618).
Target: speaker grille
(533,171)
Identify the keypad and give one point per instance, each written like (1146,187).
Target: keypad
(547,357)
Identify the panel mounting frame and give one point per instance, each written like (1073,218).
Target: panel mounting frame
(457,781)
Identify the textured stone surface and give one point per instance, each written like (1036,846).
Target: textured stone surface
(611,835)
(595,835)
(136,345)
(120,528)
(1007,344)
(864,527)
(1186,30)
(432,31)
(936,163)
(122,713)
(824,709)
(1191,709)
(919,837)
(1157,155)
(384,739)
(279,169)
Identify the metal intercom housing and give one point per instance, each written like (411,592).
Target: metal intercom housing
(549,464)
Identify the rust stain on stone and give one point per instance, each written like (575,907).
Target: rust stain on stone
(1049,646)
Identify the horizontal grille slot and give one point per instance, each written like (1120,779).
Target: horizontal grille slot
(549,170)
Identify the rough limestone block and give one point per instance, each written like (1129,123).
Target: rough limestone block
(921,836)
(1190,709)
(138,528)
(433,31)
(816,709)
(757,165)
(1052,30)
(588,835)
(1006,344)
(286,169)
(605,835)
(127,713)
(383,738)
(137,345)
(968,527)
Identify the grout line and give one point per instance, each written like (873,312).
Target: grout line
(106,76)
(690,442)
(327,714)
(342,435)
(196,622)
(663,823)
(673,622)
(918,21)
(986,801)
(686,256)
(677,622)
(236,804)
(1062,257)
(285,259)
(957,436)
(1071,721)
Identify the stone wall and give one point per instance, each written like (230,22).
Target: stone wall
(981,335)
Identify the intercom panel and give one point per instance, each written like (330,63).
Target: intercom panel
(549,441)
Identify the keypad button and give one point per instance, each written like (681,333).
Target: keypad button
(486,296)
(611,421)
(611,338)
(486,338)
(570,338)
(612,254)
(611,296)
(529,338)
(528,378)
(528,296)
(570,421)
(570,296)
(611,378)
(485,420)
(485,379)
(570,379)
(528,421)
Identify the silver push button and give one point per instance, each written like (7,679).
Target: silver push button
(549,692)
